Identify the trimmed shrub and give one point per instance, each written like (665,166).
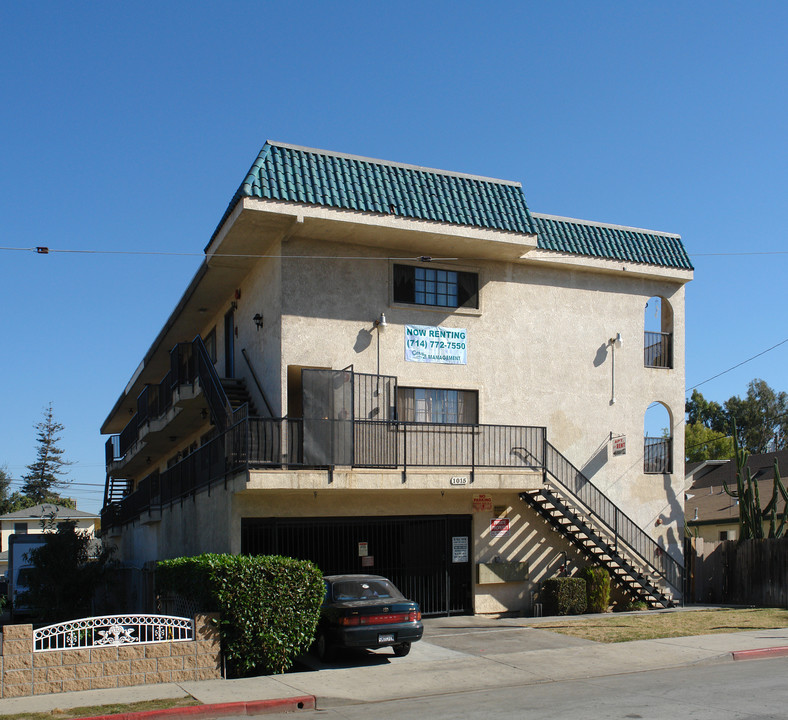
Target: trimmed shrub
(597,588)
(564,596)
(269,604)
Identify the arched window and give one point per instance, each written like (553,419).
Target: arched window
(657,439)
(658,339)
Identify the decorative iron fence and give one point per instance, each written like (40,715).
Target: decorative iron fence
(113,630)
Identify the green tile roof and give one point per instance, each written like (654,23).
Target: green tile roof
(610,242)
(317,177)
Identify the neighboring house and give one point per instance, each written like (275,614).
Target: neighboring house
(38,518)
(711,513)
(387,368)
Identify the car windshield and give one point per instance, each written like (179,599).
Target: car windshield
(365,589)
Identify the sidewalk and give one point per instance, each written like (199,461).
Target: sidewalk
(457,654)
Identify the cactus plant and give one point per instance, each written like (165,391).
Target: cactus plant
(747,492)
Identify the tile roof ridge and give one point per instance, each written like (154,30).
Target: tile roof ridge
(596,223)
(391,163)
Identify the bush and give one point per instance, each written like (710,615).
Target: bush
(597,588)
(269,605)
(564,596)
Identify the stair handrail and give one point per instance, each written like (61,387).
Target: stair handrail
(217,400)
(257,383)
(612,517)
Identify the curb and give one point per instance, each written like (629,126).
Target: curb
(253,707)
(781,651)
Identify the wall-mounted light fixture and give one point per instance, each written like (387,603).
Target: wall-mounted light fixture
(233,305)
(614,342)
(380,325)
(258,320)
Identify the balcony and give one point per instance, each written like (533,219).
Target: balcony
(253,443)
(658,350)
(172,408)
(657,455)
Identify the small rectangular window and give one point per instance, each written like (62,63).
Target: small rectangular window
(210,344)
(419,285)
(437,405)
(20,528)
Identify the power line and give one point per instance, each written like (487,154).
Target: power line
(743,362)
(42,250)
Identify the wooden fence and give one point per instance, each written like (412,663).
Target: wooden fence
(753,572)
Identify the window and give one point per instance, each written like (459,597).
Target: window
(435,405)
(20,528)
(210,344)
(724,535)
(418,285)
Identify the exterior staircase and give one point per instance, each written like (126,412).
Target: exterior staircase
(573,506)
(238,395)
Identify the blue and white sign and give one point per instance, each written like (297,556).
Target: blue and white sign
(424,343)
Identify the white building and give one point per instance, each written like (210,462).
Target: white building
(390,368)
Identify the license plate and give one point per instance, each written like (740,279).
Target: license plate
(385,637)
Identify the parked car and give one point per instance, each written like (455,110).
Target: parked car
(366,611)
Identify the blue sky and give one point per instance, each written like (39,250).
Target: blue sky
(127,127)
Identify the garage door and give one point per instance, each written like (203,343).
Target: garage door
(426,556)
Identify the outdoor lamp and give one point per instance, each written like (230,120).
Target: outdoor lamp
(381,323)
(614,342)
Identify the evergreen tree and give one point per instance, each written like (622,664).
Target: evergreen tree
(46,475)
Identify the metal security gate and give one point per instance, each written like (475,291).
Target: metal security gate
(427,556)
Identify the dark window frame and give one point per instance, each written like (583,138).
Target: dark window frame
(457,411)
(438,287)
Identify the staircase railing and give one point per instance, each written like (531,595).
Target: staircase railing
(221,410)
(607,512)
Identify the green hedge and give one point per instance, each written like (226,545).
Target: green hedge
(269,605)
(564,596)
(597,588)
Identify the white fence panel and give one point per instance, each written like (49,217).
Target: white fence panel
(112,630)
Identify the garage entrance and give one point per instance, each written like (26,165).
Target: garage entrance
(427,557)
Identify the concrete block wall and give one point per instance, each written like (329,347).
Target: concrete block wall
(24,672)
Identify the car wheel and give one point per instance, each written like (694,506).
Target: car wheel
(325,651)
(402,649)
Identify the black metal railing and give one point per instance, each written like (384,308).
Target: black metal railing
(658,350)
(657,455)
(609,514)
(260,442)
(188,362)
(221,410)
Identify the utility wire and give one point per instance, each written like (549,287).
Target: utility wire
(42,250)
(743,362)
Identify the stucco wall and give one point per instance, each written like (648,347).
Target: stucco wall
(538,354)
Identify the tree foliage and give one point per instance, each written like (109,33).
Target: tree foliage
(67,570)
(703,443)
(47,474)
(760,417)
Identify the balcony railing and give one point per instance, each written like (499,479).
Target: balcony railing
(188,363)
(657,455)
(295,443)
(658,350)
